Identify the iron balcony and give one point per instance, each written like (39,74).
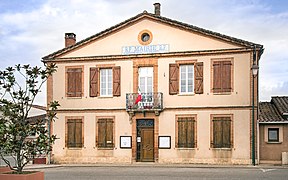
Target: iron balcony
(147,102)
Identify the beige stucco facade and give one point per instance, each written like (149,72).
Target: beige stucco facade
(185,45)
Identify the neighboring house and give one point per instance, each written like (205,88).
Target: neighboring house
(35,112)
(153,89)
(273,129)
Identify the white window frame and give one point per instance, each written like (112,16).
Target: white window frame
(106,83)
(144,73)
(186,79)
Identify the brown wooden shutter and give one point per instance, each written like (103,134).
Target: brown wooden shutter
(190,133)
(217,134)
(74,133)
(74,82)
(226,126)
(70,83)
(78,82)
(198,78)
(173,79)
(226,76)
(217,76)
(78,133)
(181,133)
(101,133)
(116,81)
(109,133)
(70,133)
(93,81)
(105,133)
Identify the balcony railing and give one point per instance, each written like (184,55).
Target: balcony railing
(144,102)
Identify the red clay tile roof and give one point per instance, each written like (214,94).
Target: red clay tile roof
(269,113)
(281,102)
(273,111)
(161,19)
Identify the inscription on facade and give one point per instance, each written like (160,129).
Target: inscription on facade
(159,48)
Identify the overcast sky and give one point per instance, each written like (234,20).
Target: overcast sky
(31,29)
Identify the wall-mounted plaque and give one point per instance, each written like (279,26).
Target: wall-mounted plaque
(164,142)
(125,142)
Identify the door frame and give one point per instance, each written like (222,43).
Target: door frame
(146,115)
(147,124)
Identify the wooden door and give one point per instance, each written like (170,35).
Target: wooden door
(147,144)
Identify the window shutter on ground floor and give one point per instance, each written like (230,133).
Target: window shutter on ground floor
(105,133)
(186,132)
(116,81)
(173,79)
(74,133)
(221,132)
(74,82)
(198,75)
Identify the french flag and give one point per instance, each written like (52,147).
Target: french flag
(139,97)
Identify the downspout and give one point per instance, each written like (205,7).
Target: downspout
(258,142)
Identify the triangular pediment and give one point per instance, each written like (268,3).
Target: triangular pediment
(165,36)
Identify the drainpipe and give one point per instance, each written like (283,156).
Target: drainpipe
(258,142)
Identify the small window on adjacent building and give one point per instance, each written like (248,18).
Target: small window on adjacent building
(74,133)
(74,82)
(222,76)
(105,133)
(273,134)
(186,127)
(221,132)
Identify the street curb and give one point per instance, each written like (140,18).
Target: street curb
(42,166)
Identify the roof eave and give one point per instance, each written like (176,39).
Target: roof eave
(273,122)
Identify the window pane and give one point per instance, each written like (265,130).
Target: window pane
(106,84)
(273,134)
(145,79)
(186,78)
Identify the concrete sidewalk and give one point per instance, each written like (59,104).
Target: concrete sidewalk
(45,166)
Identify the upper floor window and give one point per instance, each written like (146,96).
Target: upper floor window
(105,82)
(187,76)
(222,76)
(74,81)
(273,134)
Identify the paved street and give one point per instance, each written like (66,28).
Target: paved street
(163,172)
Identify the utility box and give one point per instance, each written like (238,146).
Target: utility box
(284,158)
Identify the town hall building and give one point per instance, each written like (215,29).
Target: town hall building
(153,89)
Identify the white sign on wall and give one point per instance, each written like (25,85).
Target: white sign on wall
(159,48)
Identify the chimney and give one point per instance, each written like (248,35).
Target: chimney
(70,39)
(157,9)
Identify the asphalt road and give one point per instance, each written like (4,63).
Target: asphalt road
(164,173)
